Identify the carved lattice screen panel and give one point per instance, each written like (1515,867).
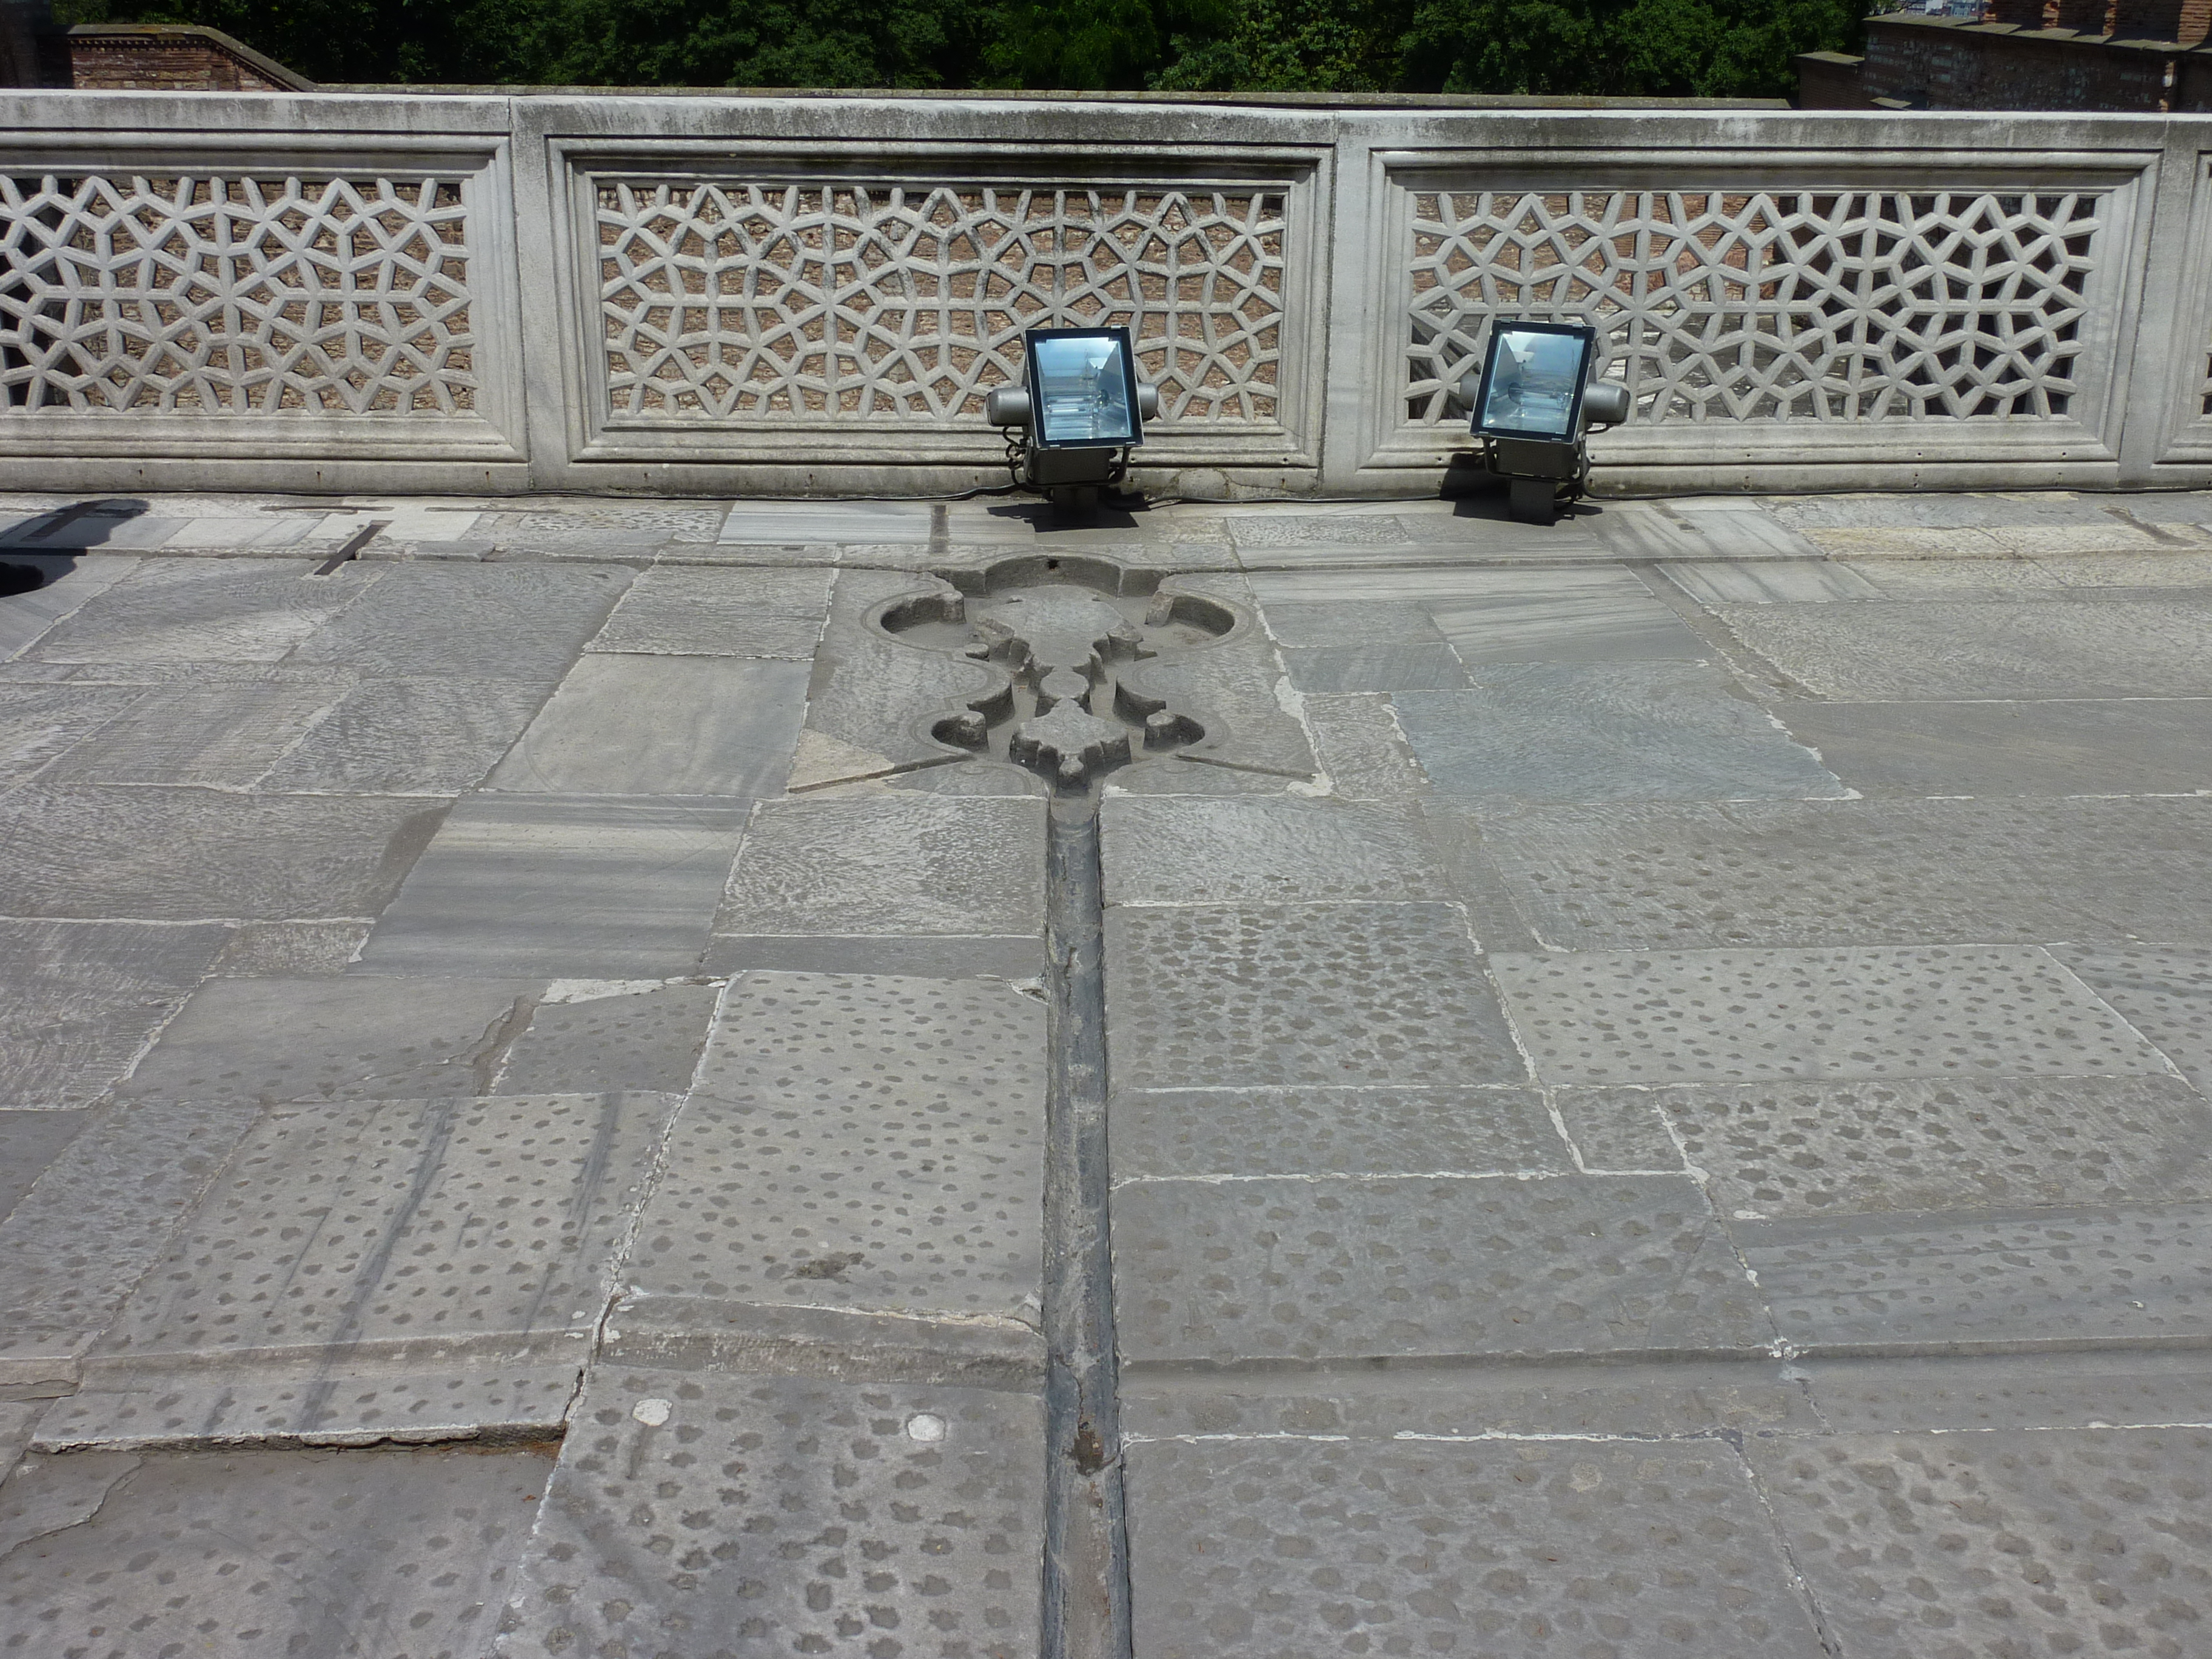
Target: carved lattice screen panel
(211,296)
(896,306)
(1770,305)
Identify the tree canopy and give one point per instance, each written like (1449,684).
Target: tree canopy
(1623,48)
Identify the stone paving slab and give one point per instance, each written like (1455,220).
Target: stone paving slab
(192,610)
(541,885)
(693,1512)
(1263,849)
(427,736)
(30,1139)
(2164,991)
(1291,1549)
(719,613)
(471,622)
(1737,1015)
(1959,1546)
(1859,871)
(1240,1134)
(1276,1270)
(918,955)
(84,997)
(1618,1130)
(629,1037)
(1606,732)
(71,581)
(1236,688)
(1930,509)
(2035,1390)
(1781,581)
(890,864)
(1338,671)
(661,725)
(289,949)
(1360,747)
(217,735)
(264,1555)
(865,1142)
(1386,993)
(39,723)
(826,521)
(2138,746)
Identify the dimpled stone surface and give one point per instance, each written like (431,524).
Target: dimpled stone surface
(2165,993)
(1860,872)
(83,997)
(765,1515)
(1359,1269)
(264,1555)
(1293,1549)
(1248,1131)
(1261,849)
(1721,1016)
(1980,1546)
(643,1038)
(1204,996)
(859,1142)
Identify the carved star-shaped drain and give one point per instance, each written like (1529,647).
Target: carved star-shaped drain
(1070,743)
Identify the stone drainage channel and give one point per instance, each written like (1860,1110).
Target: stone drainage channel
(1067,632)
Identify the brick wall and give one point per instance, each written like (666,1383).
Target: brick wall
(160,57)
(1929,62)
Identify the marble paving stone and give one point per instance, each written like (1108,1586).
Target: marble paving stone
(1712,527)
(826,522)
(695,611)
(2135,746)
(1294,1549)
(1998,1280)
(918,955)
(83,997)
(1262,850)
(1601,732)
(341,1036)
(1731,1015)
(636,1037)
(39,723)
(1348,670)
(1617,1129)
(2010,1391)
(99,1214)
(562,885)
(1197,1133)
(1859,871)
(1359,746)
(1961,1546)
(30,1139)
(191,610)
(1443,542)
(1612,620)
(1776,581)
(1933,510)
(71,578)
(405,737)
(661,725)
(1439,589)
(471,622)
(1341,1270)
(2114,535)
(1643,529)
(698,1513)
(2164,991)
(289,949)
(1802,1149)
(671,521)
(1351,623)
(456,1234)
(185,854)
(1259,530)
(264,1555)
(218,735)
(235,531)
(1938,649)
(892,864)
(1984,578)
(864,1143)
(1347,995)
(2166,567)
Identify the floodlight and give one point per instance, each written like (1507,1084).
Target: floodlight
(1081,410)
(1531,406)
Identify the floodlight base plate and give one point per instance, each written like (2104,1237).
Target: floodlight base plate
(1534,500)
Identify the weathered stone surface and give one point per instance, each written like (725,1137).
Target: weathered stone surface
(2078,648)
(2037,1390)
(525,885)
(1617,1129)
(289,949)
(1294,1548)
(826,522)
(1349,995)
(218,735)
(2164,991)
(471,622)
(1583,616)
(1731,1015)
(425,736)
(337,1037)
(39,723)
(1259,531)
(661,725)
(1350,621)
(1335,670)
(1959,1545)
(756,1516)
(1615,731)
(30,1139)
(1860,872)
(83,997)
(1980,570)
(193,609)
(1361,749)
(696,611)
(865,1143)
(1769,581)
(2075,747)
(611,1037)
(2143,567)
(1931,510)
(1492,1267)
(1262,849)
(920,956)
(71,581)
(187,854)
(1197,1133)
(894,864)
(264,1555)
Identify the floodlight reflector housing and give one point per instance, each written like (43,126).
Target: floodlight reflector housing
(1533,377)
(1083,389)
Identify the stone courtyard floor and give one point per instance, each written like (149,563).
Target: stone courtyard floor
(1653,1074)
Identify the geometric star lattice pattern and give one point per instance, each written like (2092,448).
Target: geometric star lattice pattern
(214,296)
(1831,305)
(897,306)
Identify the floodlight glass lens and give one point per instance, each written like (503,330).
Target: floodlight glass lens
(1532,380)
(1083,393)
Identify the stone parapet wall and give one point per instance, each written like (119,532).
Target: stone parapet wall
(812,294)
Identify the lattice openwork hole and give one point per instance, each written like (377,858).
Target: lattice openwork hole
(211,296)
(1841,306)
(831,304)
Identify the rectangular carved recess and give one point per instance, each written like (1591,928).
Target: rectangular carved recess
(1837,306)
(899,305)
(212,296)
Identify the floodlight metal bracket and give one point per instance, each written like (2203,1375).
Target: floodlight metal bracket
(1543,474)
(1068,478)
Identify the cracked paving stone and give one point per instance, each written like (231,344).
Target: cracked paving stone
(84,996)
(613,1036)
